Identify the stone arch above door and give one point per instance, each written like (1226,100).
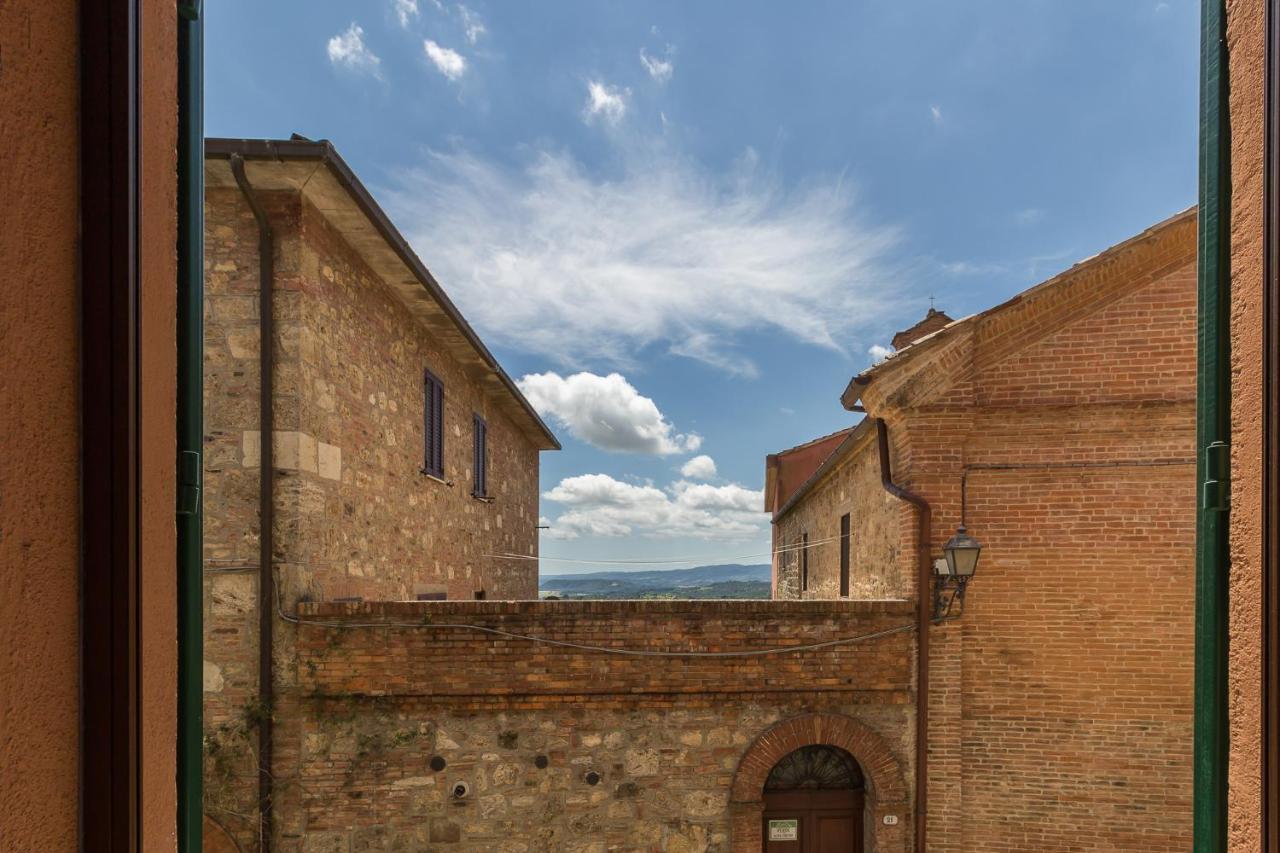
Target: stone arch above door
(886,781)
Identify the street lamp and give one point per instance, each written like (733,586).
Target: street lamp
(952,574)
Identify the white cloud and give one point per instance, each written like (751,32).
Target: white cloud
(589,271)
(608,103)
(348,49)
(879,353)
(448,62)
(599,505)
(406,11)
(472,25)
(936,112)
(659,69)
(699,468)
(606,412)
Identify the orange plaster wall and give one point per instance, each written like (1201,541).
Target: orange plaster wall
(1245,45)
(39,427)
(158,367)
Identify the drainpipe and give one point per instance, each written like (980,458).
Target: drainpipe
(1213,434)
(190,424)
(266,416)
(923,618)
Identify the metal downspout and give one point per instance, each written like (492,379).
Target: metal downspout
(266,415)
(1213,434)
(190,520)
(924,519)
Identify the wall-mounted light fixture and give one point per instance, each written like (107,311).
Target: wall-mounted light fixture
(952,575)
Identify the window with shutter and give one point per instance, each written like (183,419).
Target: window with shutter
(433,425)
(480,452)
(844,555)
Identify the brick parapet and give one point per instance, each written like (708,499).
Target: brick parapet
(449,662)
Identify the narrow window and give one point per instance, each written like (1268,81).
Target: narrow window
(844,555)
(804,562)
(433,425)
(480,473)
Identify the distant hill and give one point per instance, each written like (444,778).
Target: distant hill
(727,581)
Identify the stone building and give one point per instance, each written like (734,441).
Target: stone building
(1059,427)
(404,463)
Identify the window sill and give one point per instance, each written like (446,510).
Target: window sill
(484,499)
(439,480)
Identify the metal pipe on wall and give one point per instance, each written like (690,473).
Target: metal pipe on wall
(266,415)
(924,522)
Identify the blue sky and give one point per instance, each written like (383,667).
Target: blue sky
(687,223)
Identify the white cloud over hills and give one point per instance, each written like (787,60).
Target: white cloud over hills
(599,505)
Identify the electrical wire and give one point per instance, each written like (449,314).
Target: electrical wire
(786,549)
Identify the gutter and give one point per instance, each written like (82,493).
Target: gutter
(924,519)
(281,150)
(1213,434)
(266,488)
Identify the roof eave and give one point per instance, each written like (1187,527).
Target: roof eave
(323,151)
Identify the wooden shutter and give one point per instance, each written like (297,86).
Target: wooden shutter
(480,449)
(433,425)
(844,555)
(804,562)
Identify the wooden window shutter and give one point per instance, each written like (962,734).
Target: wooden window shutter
(844,555)
(433,425)
(480,450)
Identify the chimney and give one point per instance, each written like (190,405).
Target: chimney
(932,322)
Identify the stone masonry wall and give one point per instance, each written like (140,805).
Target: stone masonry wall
(523,723)
(354,515)
(876,569)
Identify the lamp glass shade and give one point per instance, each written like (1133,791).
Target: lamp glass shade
(962,552)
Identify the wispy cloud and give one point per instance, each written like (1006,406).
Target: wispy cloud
(599,505)
(472,25)
(606,412)
(659,69)
(935,112)
(605,102)
(1029,216)
(448,62)
(348,50)
(588,271)
(406,11)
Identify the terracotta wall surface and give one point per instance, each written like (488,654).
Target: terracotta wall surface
(39,422)
(39,426)
(1246,73)
(158,666)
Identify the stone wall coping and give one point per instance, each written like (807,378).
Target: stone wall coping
(607,607)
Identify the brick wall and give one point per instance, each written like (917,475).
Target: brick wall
(666,735)
(354,514)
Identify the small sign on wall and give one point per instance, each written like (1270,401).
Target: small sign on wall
(784,830)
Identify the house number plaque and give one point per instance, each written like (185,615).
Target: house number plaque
(784,830)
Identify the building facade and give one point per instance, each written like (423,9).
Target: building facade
(404,463)
(1059,428)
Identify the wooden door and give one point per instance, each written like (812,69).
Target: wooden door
(813,821)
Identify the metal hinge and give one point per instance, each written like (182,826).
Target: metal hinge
(189,467)
(1216,490)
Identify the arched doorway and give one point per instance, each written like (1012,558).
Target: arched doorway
(813,802)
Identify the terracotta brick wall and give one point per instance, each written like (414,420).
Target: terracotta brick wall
(666,735)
